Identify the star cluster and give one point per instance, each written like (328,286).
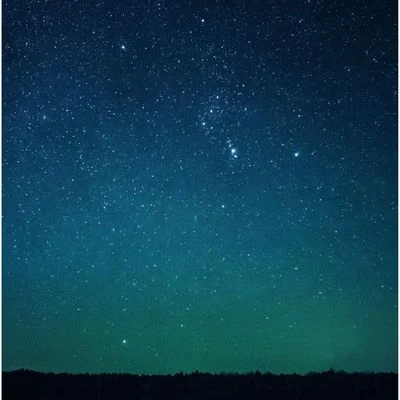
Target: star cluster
(199,186)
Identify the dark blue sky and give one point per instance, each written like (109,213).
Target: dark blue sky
(204,185)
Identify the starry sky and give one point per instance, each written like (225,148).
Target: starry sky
(199,185)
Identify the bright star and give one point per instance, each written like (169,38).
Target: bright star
(232,150)
(296,154)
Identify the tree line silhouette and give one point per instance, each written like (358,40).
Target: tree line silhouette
(26,384)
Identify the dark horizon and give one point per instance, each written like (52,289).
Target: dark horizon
(196,372)
(329,385)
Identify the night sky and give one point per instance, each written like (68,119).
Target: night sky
(199,185)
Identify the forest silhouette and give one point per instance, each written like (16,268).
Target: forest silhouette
(26,384)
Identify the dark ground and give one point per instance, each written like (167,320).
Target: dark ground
(24,384)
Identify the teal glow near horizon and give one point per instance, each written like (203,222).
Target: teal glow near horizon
(206,187)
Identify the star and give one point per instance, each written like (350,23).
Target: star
(233,150)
